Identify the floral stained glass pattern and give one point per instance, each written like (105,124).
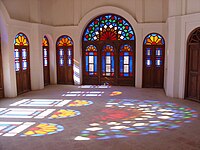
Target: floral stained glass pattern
(108,27)
(64,41)
(154,39)
(45,41)
(21,40)
(44,129)
(65,114)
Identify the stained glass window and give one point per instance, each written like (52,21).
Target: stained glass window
(126,61)
(154,39)
(45,45)
(91,60)
(148,57)
(45,41)
(65,44)
(17,63)
(20,54)
(64,41)
(21,40)
(108,60)
(108,27)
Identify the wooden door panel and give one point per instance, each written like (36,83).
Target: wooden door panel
(193,86)
(1,75)
(193,81)
(153,67)
(65,71)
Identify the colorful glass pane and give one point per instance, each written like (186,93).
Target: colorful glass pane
(108,60)
(64,41)
(126,58)
(21,40)
(108,27)
(17,56)
(45,41)
(91,60)
(154,39)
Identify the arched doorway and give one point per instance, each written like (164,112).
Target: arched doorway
(153,61)
(46,70)
(192,88)
(108,48)
(22,63)
(64,55)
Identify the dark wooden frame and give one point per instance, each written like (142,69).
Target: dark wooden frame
(99,79)
(20,74)
(144,63)
(46,69)
(67,68)
(190,41)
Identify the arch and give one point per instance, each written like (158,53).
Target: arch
(22,63)
(65,60)
(46,60)
(153,61)
(192,80)
(111,31)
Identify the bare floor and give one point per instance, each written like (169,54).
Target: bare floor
(62,117)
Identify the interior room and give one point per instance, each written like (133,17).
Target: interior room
(99,74)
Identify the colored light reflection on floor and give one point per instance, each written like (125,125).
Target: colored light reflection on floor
(65,114)
(123,118)
(24,113)
(43,129)
(83,93)
(94,86)
(11,129)
(78,103)
(115,93)
(41,102)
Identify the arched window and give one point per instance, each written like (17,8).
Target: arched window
(108,61)
(109,33)
(46,70)
(22,63)
(91,60)
(153,61)
(126,61)
(64,46)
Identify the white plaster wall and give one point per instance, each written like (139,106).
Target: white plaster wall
(70,12)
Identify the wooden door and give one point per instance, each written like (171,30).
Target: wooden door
(90,58)
(46,70)
(65,65)
(153,66)
(193,75)
(22,68)
(108,65)
(1,75)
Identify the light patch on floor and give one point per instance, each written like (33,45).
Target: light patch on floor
(83,93)
(122,118)
(41,102)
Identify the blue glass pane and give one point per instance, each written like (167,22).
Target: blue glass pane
(126,53)
(112,64)
(103,64)
(148,63)
(107,53)
(87,62)
(121,64)
(126,74)
(95,63)
(131,64)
